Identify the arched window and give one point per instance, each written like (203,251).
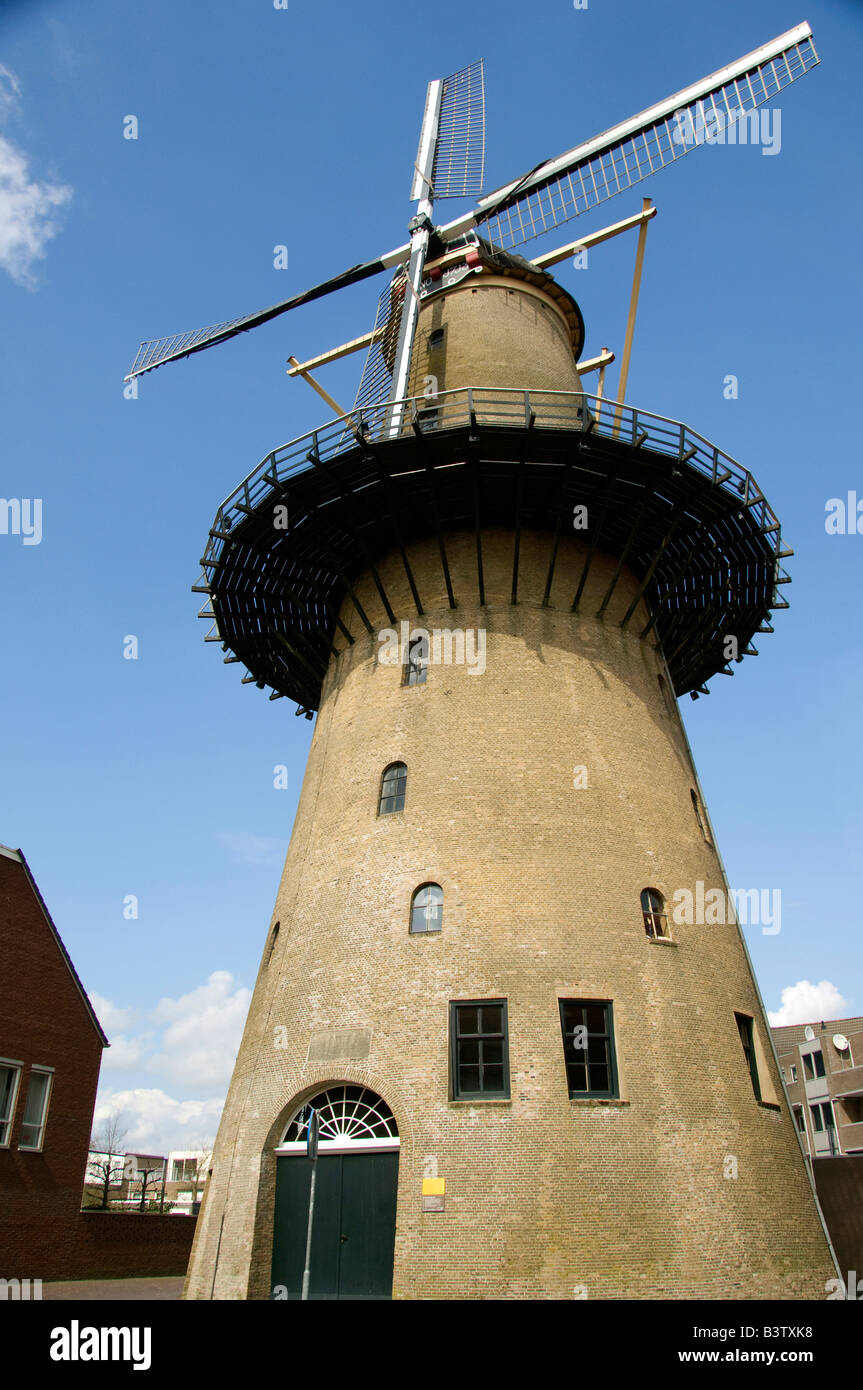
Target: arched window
(393,784)
(427,908)
(653,912)
(350,1117)
(696,806)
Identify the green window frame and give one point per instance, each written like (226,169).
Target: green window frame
(415,670)
(587,1026)
(479,1049)
(394,783)
(747,1039)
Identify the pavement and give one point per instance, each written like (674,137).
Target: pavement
(109,1290)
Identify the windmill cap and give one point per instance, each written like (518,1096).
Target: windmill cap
(482,255)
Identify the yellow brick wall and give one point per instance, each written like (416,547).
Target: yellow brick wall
(541,901)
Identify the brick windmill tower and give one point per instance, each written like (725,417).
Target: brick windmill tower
(490,585)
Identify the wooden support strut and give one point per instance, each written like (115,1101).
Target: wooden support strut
(630,322)
(451,258)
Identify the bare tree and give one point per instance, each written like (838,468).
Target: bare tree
(107,1142)
(149,1177)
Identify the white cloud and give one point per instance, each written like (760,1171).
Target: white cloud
(808,1003)
(252,849)
(190,1044)
(28,206)
(110,1017)
(203,1033)
(190,1041)
(156,1123)
(122,1054)
(10,89)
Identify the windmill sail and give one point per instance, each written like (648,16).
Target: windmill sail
(377,378)
(459,161)
(158,350)
(620,158)
(558,189)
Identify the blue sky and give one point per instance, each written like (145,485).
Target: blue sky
(259,127)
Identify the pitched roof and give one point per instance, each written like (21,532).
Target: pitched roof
(18,855)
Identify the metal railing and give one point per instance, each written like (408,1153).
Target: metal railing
(507,409)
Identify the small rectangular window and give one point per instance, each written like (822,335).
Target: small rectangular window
(813,1064)
(798,1115)
(793,1071)
(588,1047)
(822,1116)
(744,1027)
(479,1049)
(416,662)
(436,338)
(35,1109)
(9,1077)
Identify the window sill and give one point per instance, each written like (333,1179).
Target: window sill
(769,1105)
(600,1100)
(480,1100)
(661,941)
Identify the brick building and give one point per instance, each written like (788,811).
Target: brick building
(822,1063)
(50,1054)
(532,1082)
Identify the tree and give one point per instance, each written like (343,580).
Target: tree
(149,1177)
(110,1164)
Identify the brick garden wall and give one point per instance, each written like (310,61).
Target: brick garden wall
(95,1245)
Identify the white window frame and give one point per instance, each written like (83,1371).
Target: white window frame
(17,1068)
(40,1070)
(793,1070)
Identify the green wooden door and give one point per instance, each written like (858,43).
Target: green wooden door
(354,1226)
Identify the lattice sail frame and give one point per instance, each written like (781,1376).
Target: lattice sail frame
(348,1115)
(611,165)
(459,162)
(377,378)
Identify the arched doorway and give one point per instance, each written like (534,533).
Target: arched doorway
(353,1231)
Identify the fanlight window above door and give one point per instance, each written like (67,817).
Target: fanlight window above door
(351,1118)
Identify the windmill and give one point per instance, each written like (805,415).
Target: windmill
(467,968)
(450,162)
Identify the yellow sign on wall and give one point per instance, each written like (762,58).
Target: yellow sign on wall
(434,1187)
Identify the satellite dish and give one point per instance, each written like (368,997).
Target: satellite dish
(808,1033)
(840,1042)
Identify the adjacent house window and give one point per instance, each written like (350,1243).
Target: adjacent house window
(393,784)
(653,912)
(822,1116)
(9,1077)
(35,1109)
(416,663)
(479,1049)
(813,1064)
(427,908)
(793,1072)
(744,1028)
(588,1048)
(798,1116)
